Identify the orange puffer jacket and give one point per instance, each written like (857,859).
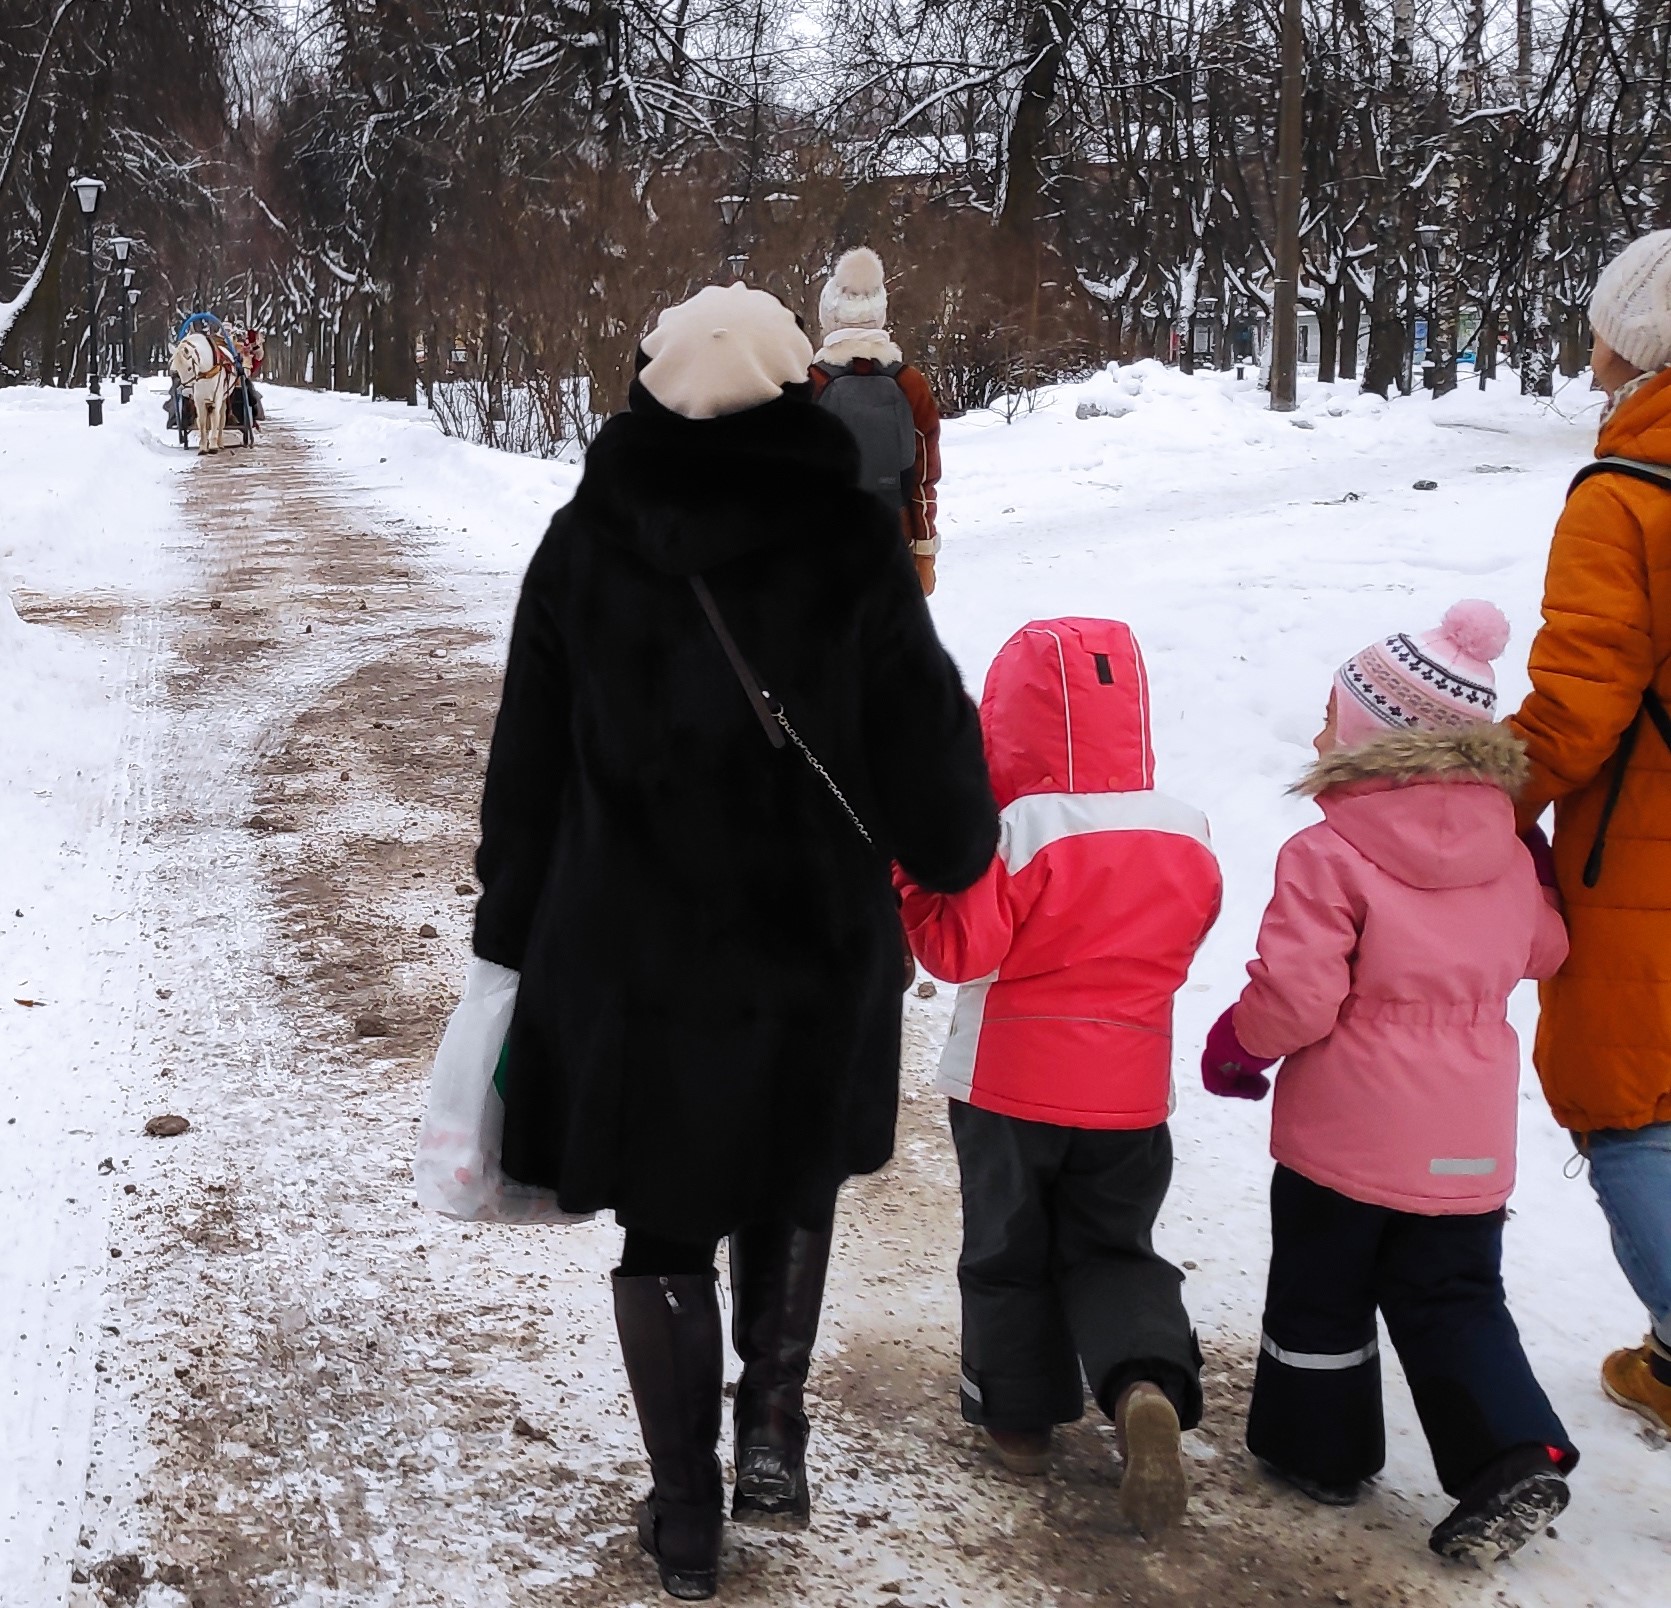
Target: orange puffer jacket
(1604,1041)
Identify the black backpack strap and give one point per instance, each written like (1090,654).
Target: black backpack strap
(1653,474)
(1615,787)
(758,699)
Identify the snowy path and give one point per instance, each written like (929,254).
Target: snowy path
(311,1395)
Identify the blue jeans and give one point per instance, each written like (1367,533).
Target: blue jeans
(1630,1171)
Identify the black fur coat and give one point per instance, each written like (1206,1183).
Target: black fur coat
(707,1030)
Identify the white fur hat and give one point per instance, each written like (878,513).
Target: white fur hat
(1631,306)
(856,295)
(724,350)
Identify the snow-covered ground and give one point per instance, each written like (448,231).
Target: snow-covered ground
(84,515)
(1251,552)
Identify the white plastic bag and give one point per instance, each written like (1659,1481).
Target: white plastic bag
(457,1165)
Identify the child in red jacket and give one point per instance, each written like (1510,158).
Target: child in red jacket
(1071,948)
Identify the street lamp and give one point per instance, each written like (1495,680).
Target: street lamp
(1429,237)
(120,246)
(782,205)
(730,209)
(1204,322)
(737,264)
(129,298)
(87,192)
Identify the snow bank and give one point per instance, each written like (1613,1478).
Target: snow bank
(84,510)
(492,507)
(85,518)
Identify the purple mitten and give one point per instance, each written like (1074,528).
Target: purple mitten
(1228,1070)
(1543,857)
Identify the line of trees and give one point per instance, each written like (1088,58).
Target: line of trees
(487,203)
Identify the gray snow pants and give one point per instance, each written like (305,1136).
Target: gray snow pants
(1059,1270)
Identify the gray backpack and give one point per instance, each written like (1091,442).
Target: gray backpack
(875,408)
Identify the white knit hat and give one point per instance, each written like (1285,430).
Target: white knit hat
(1631,306)
(856,295)
(723,351)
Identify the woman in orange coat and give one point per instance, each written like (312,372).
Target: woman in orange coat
(1601,679)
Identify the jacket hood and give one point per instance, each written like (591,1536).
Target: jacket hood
(687,494)
(1640,427)
(1433,809)
(1066,710)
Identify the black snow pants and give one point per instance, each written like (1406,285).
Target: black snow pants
(1438,1282)
(1059,1269)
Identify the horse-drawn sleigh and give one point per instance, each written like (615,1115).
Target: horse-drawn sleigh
(210,382)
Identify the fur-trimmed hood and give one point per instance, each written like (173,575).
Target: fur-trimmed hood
(1433,809)
(1479,753)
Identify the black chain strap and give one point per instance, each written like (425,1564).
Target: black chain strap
(769,710)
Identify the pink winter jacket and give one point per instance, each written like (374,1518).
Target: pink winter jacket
(1073,944)
(1399,927)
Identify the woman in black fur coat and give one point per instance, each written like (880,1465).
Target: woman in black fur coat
(707,1031)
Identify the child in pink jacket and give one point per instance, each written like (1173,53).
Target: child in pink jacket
(1400,925)
(1058,1066)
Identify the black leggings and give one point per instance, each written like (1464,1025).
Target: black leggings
(648,1255)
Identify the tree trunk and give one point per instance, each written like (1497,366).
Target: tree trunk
(1574,348)
(1351,324)
(1384,367)
(1536,358)
(1022,201)
(1328,334)
(1290,162)
(1441,327)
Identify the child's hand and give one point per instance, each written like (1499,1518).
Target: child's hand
(1230,1071)
(1543,857)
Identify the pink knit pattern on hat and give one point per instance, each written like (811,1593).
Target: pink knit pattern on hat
(1435,682)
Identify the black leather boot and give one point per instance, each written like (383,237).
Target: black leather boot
(672,1344)
(777,1289)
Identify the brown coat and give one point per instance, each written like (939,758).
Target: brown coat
(1604,1041)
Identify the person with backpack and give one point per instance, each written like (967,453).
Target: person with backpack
(862,377)
(1599,741)
(692,877)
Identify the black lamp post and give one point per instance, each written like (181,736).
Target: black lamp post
(1429,236)
(87,192)
(120,246)
(133,303)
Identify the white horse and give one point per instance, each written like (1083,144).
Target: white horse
(199,366)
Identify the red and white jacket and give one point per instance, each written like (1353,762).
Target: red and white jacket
(1072,945)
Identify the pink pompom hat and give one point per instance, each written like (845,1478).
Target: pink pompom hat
(1437,682)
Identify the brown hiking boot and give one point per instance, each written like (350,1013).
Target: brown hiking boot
(1021,1451)
(1627,1376)
(1155,1492)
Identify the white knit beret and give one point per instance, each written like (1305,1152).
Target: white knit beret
(1631,306)
(856,295)
(724,350)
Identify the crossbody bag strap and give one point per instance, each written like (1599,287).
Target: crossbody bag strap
(767,709)
(757,696)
